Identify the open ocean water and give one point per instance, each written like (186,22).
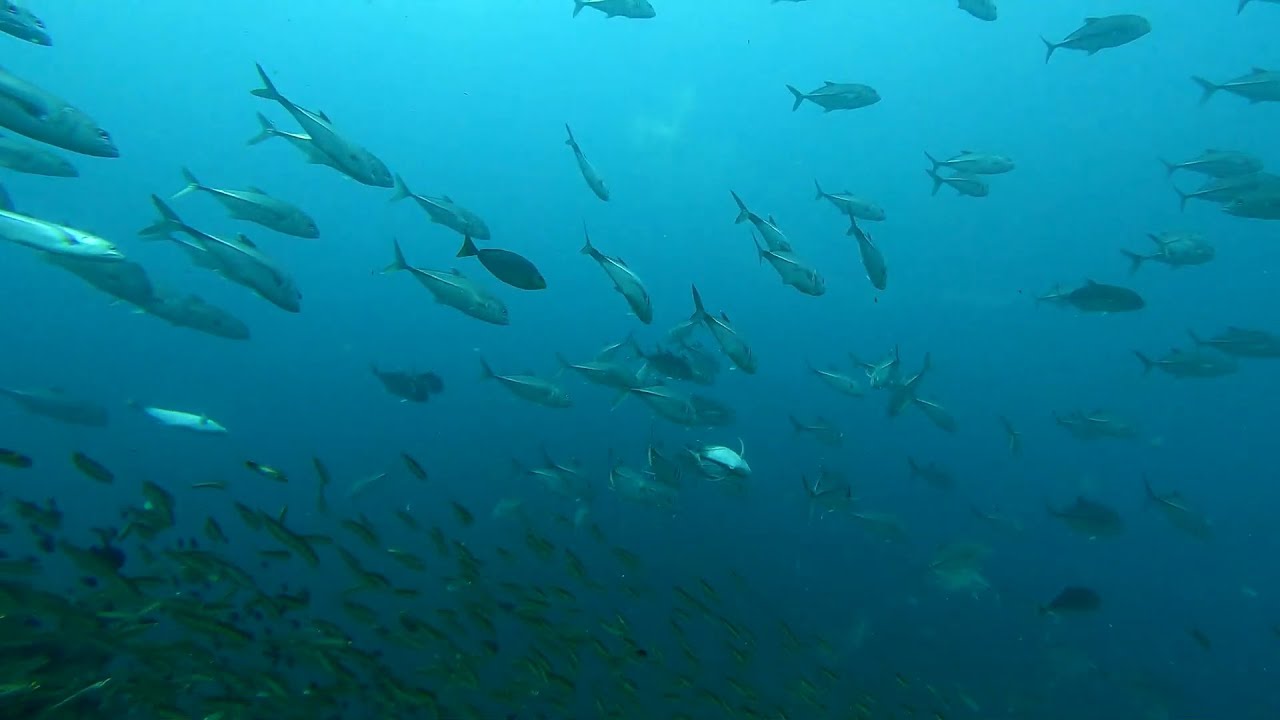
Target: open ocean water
(945,455)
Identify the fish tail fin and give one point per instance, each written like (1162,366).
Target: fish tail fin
(402,189)
(1208,89)
(571,142)
(577,7)
(699,312)
(1195,339)
(1135,260)
(564,361)
(796,425)
(937,180)
(933,161)
(1147,363)
(268,90)
(1169,168)
(399,263)
(168,222)
(743,213)
(1240,9)
(192,184)
(6,202)
(486,372)
(818,187)
(1146,487)
(799,98)
(266,131)
(1182,198)
(1048,49)
(913,467)
(587,247)
(468,248)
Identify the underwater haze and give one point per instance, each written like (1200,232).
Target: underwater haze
(985,430)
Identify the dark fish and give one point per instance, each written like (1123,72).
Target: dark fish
(23,24)
(1096,297)
(196,313)
(414,466)
(1073,599)
(266,471)
(589,173)
(55,403)
(505,265)
(1101,33)
(1089,517)
(1201,639)
(14,459)
(92,469)
(412,387)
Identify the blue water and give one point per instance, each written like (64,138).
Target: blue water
(469,99)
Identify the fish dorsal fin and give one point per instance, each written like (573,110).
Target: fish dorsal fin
(725,316)
(244,240)
(1259,71)
(1090,20)
(967,152)
(455,272)
(447,199)
(321,114)
(258,190)
(1090,283)
(827,83)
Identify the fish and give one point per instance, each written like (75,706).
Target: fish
(40,115)
(1174,250)
(821,429)
(589,173)
(1097,424)
(1262,205)
(1094,297)
(634,9)
(1101,33)
(1013,438)
(237,260)
(774,239)
(872,259)
(842,383)
(347,157)
(92,469)
(181,420)
(256,206)
(937,414)
(850,204)
(1224,190)
(529,387)
(415,467)
(25,157)
(836,96)
(884,373)
(1217,164)
(266,471)
(1193,363)
(123,280)
(1242,342)
(194,312)
(792,270)
(981,9)
(717,462)
(1240,9)
(968,162)
(933,474)
(23,24)
(509,267)
(15,459)
(1073,599)
(301,141)
(1090,518)
(55,239)
(455,290)
(1257,85)
(57,404)
(444,211)
(625,281)
(1179,513)
(409,386)
(967,185)
(731,343)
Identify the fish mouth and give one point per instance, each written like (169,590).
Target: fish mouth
(106,151)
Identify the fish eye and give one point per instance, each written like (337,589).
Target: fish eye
(103,134)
